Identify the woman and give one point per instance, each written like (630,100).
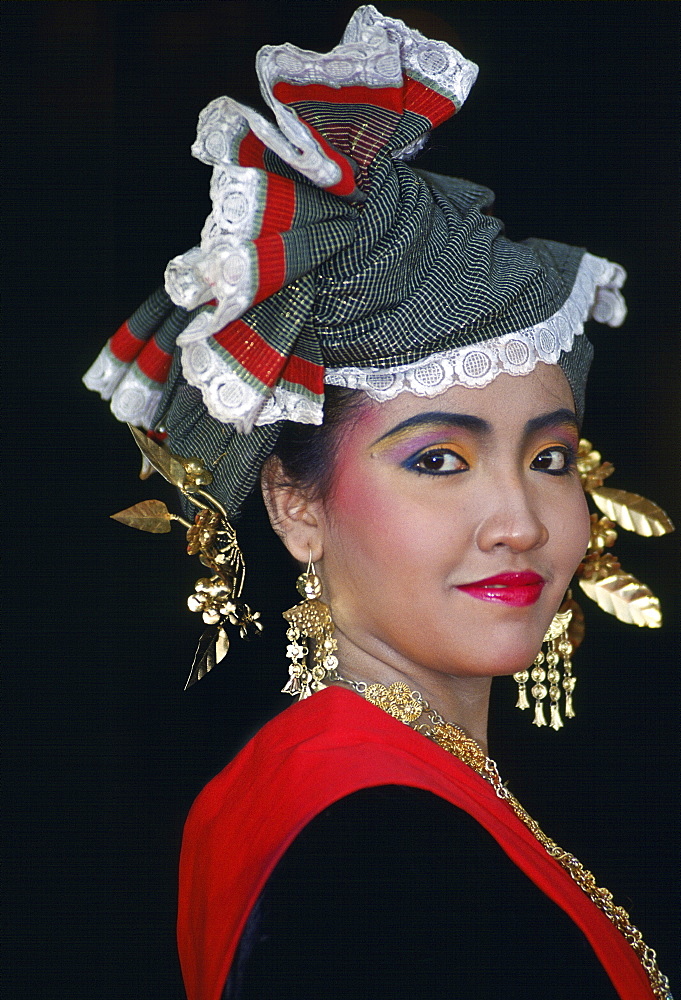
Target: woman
(438,510)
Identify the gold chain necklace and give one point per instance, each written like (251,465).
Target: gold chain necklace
(409,706)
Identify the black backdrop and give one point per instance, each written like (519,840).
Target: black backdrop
(572,123)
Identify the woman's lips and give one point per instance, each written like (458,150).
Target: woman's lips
(516,589)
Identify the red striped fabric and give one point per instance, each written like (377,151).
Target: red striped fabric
(154,362)
(424,101)
(264,362)
(124,345)
(280,205)
(271,265)
(305,373)
(384,97)
(413,96)
(252,351)
(346,185)
(251,151)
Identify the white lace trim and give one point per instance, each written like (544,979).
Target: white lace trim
(224,122)
(105,373)
(435,64)
(133,400)
(238,196)
(288,405)
(595,294)
(231,400)
(373,53)
(226,397)
(226,272)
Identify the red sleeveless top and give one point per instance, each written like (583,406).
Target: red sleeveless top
(314,753)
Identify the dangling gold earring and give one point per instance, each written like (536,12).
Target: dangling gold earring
(559,646)
(310,618)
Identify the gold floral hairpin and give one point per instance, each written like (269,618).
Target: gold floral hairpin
(211,537)
(600,574)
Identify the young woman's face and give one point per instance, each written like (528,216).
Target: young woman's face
(455,524)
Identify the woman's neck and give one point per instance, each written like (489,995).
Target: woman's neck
(463,701)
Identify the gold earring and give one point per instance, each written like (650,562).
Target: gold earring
(312,619)
(559,646)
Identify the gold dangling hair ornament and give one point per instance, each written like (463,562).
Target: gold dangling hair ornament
(602,579)
(312,619)
(211,537)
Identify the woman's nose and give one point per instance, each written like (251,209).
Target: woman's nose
(511,521)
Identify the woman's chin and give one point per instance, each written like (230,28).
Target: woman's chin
(489,662)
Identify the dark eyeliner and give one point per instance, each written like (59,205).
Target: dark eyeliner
(411,463)
(570,460)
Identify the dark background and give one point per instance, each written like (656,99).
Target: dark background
(573,124)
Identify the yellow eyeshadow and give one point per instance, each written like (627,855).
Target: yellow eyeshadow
(444,446)
(407,446)
(553,444)
(419,439)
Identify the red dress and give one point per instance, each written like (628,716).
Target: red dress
(310,756)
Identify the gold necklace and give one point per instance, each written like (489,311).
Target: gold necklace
(409,706)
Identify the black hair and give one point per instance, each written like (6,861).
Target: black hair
(307,452)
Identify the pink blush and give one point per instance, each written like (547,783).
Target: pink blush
(356,496)
(353,493)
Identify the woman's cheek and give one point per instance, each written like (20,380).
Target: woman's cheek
(573,527)
(363,499)
(583,527)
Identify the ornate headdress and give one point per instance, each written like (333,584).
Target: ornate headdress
(327,258)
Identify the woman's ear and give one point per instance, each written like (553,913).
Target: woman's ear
(294,516)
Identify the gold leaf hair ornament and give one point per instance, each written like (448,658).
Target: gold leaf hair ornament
(211,537)
(600,574)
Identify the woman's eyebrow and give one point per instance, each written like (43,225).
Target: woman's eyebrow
(553,419)
(440,417)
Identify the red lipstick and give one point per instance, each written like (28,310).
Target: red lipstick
(515,589)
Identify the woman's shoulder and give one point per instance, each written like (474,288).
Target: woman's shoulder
(394,827)
(315,753)
(417,892)
(337,735)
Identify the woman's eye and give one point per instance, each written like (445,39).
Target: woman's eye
(556,461)
(438,462)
